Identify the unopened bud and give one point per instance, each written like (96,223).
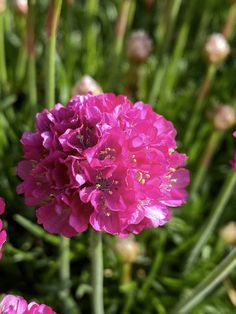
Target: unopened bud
(2,6)
(127,249)
(216,48)
(139,46)
(223,117)
(21,6)
(85,85)
(228,233)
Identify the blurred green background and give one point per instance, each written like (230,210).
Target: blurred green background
(181,83)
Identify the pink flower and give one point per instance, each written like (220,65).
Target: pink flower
(233,162)
(104,162)
(11,304)
(3,234)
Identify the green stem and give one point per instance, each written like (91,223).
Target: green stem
(97,272)
(36,230)
(170,27)
(121,25)
(154,268)
(209,151)
(65,272)
(209,227)
(126,281)
(31,56)
(3,69)
(230,22)
(53,18)
(91,55)
(220,272)
(171,76)
(196,114)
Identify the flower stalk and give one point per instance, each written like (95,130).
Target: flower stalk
(97,272)
(122,23)
(204,89)
(209,151)
(65,272)
(220,272)
(52,22)
(230,22)
(3,69)
(31,55)
(154,268)
(209,227)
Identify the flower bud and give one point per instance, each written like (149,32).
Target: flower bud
(127,249)
(2,6)
(228,233)
(216,48)
(85,85)
(223,117)
(21,6)
(139,47)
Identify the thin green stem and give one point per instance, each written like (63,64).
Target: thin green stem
(230,22)
(127,281)
(171,72)
(97,272)
(209,227)
(91,57)
(209,151)
(53,18)
(220,272)
(64,269)
(3,69)
(121,25)
(36,230)
(175,7)
(196,114)
(31,55)
(154,268)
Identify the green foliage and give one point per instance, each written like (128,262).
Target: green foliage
(171,79)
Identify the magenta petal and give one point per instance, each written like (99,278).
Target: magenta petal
(55,219)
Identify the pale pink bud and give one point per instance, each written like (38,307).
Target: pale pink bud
(127,249)
(228,233)
(223,117)
(85,85)
(2,6)
(139,46)
(21,6)
(216,48)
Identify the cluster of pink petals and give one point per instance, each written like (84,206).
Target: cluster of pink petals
(233,162)
(11,304)
(104,162)
(3,234)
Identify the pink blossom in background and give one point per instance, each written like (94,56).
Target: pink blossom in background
(3,234)
(11,304)
(233,162)
(104,162)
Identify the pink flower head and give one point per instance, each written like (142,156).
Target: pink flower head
(11,304)
(233,162)
(3,234)
(104,162)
